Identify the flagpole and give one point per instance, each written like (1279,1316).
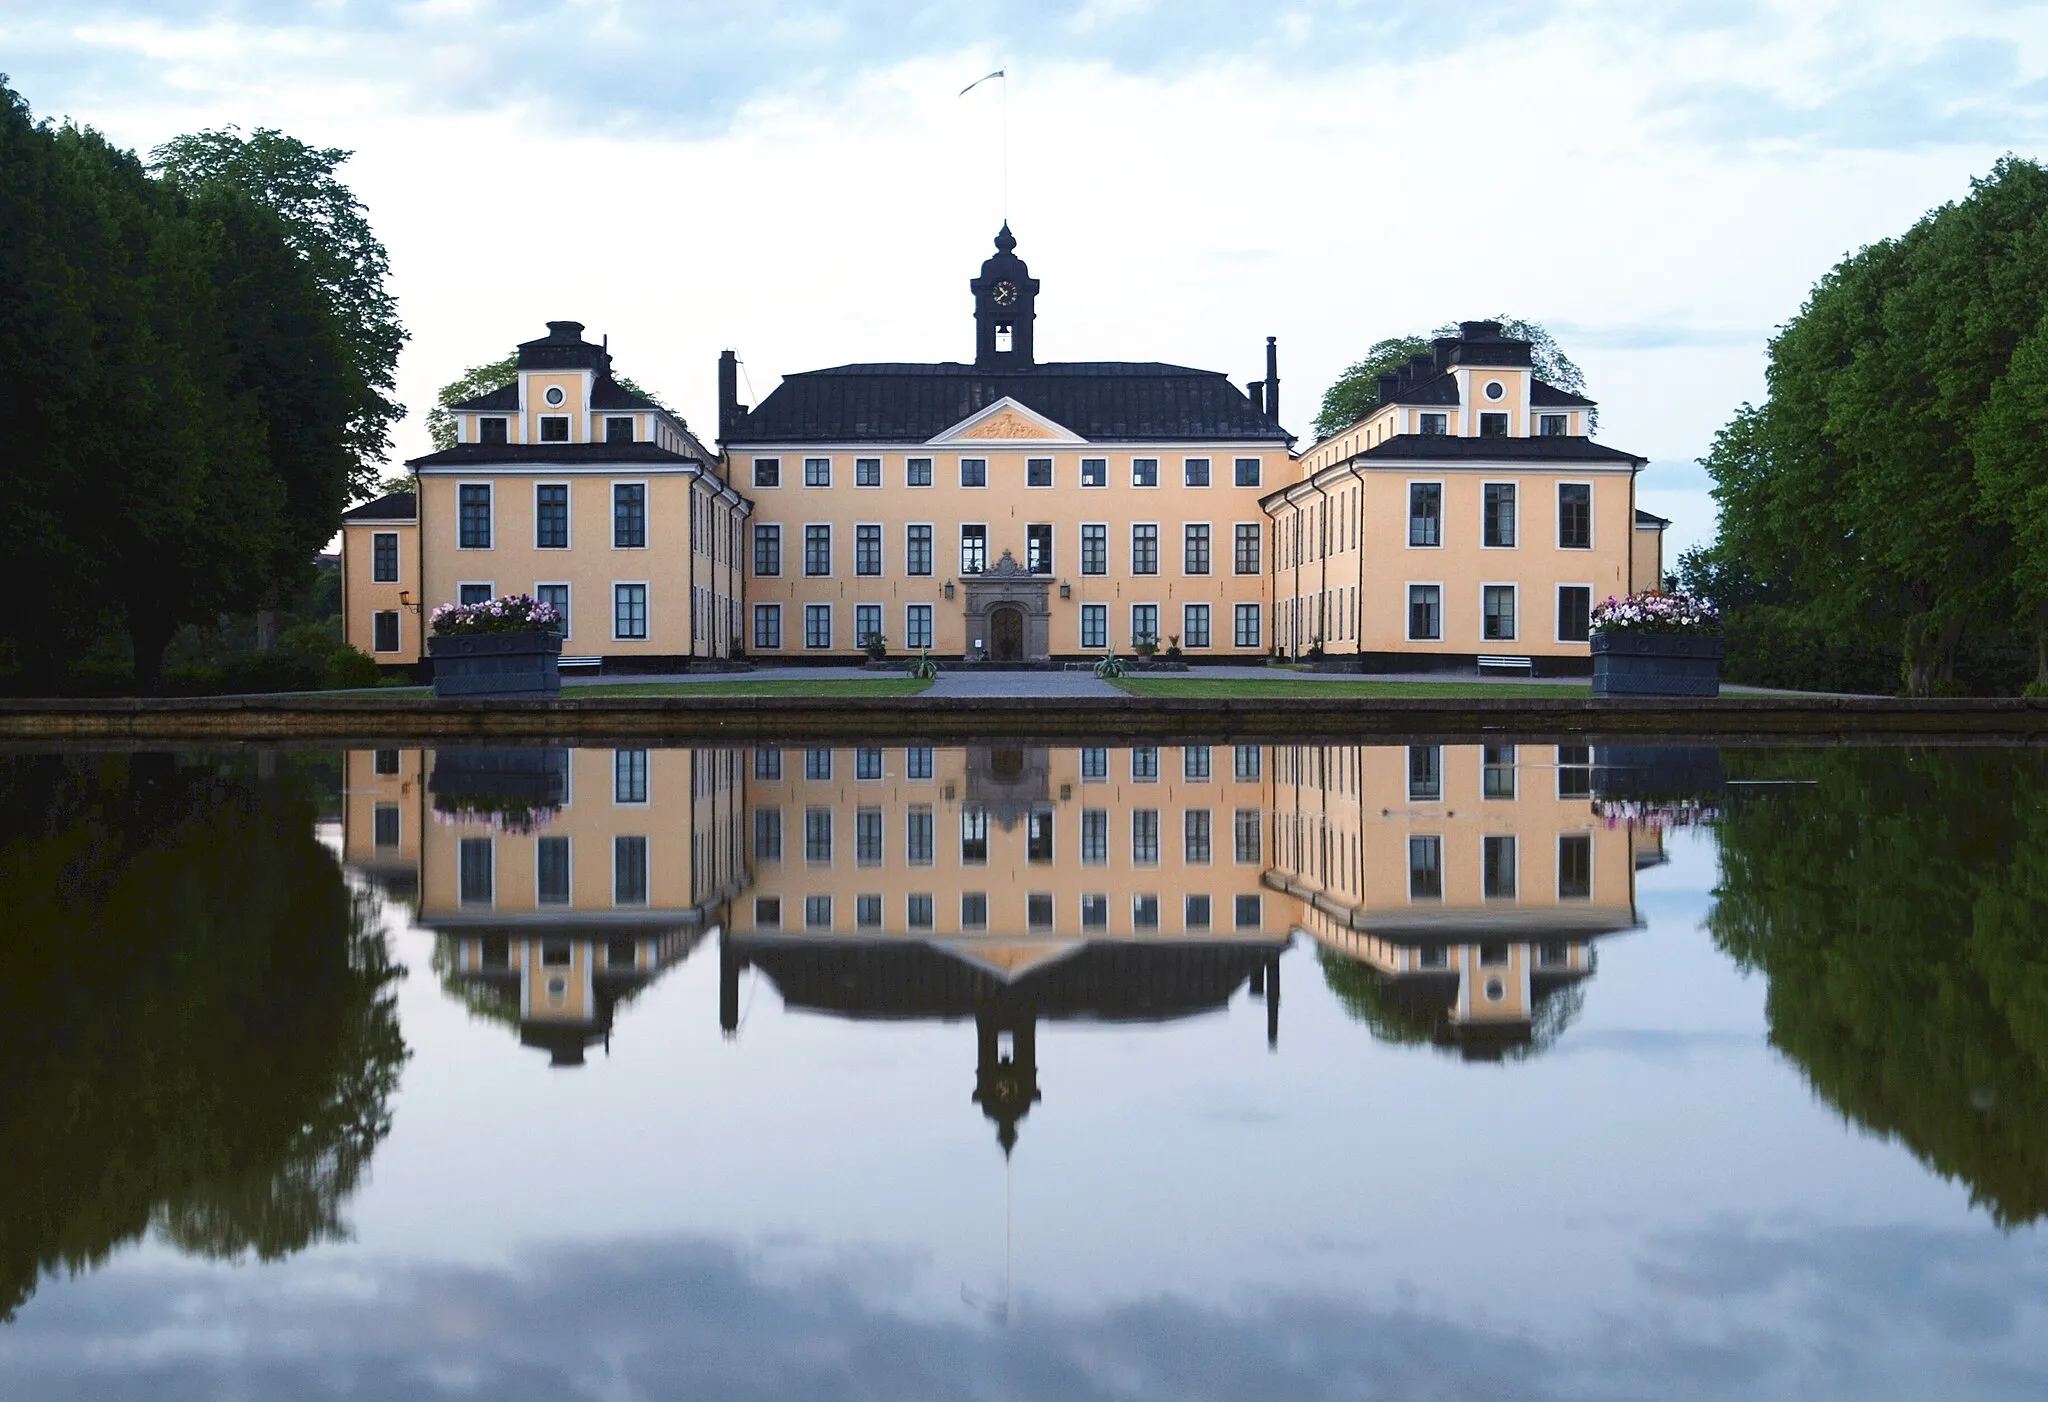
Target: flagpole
(1003,141)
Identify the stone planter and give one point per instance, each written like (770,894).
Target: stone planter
(497,664)
(1657,664)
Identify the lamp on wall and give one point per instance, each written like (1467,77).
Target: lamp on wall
(405,600)
(949,588)
(1066,590)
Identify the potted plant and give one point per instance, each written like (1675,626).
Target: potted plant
(1109,666)
(504,647)
(1315,650)
(924,669)
(876,646)
(1173,645)
(1657,645)
(1145,647)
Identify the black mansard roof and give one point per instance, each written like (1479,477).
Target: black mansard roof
(1442,390)
(392,506)
(1128,401)
(607,393)
(1441,447)
(502,454)
(504,397)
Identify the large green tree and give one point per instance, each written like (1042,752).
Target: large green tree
(1356,392)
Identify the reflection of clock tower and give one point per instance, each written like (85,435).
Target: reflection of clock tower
(1005,298)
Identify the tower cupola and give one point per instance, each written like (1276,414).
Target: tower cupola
(1005,305)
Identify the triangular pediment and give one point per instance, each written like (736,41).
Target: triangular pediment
(1007,421)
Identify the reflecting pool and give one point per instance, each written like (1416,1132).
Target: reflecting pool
(1502,1070)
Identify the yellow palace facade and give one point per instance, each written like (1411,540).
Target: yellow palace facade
(1013,510)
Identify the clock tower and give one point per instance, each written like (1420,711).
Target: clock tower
(1005,305)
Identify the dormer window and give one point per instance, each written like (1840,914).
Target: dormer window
(1434,425)
(554,428)
(618,430)
(490,431)
(554,395)
(1006,339)
(1552,425)
(1493,425)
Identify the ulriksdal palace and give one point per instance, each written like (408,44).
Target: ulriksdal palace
(1013,510)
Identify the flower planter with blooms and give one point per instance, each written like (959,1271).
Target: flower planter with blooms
(1657,645)
(504,647)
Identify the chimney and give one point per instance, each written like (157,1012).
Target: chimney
(1272,380)
(1442,351)
(730,410)
(1421,367)
(1390,385)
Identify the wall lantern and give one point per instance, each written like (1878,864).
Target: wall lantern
(949,588)
(1066,590)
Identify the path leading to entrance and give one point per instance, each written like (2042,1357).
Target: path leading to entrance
(1021,684)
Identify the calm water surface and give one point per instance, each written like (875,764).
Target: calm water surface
(1009,1072)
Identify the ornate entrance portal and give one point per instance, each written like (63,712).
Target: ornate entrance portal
(1008,619)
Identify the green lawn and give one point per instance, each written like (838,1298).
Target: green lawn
(1263,687)
(849,686)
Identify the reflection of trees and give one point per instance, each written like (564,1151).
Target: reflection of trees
(1900,907)
(1415,1010)
(197,1031)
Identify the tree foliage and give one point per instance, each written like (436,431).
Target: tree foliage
(1356,392)
(1893,484)
(482,379)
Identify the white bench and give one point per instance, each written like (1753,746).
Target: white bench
(1505,664)
(581,661)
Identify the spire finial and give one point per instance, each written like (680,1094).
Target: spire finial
(1005,240)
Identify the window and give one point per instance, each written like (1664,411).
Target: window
(551,870)
(817,550)
(1095,472)
(1435,425)
(1195,913)
(618,430)
(768,834)
(867,550)
(1145,549)
(1095,549)
(1094,764)
(867,837)
(1095,912)
(1552,425)
(1499,626)
(1553,954)
(1425,773)
(919,842)
(767,626)
(1500,514)
(974,910)
(767,764)
(556,597)
(1145,836)
(1038,472)
(817,912)
(867,623)
(867,912)
(1493,425)
(1195,472)
(474,513)
(917,472)
(917,912)
(385,821)
(917,627)
(1194,625)
(384,631)
(384,557)
(629,871)
(867,472)
(1574,516)
(1145,764)
(475,877)
(1575,866)
(1247,625)
(973,549)
(629,776)
(767,472)
(1195,844)
(1247,913)
(1497,771)
(1574,771)
(817,472)
(1194,550)
(1425,613)
(554,428)
(1425,868)
(1194,762)
(767,551)
(1247,555)
(1247,472)
(818,836)
(1094,626)
(1038,549)
(490,431)
(917,550)
(551,516)
(867,763)
(1144,624)
(629,516)
(1144,472)
(974,472)
(1498,870)
(974,836)
(1094,837)
(1574,613)
(1038,836)
(1247,764)
(817,625)
(387,762)
(1144,912)
(1245,831)
(1425,513)
(629,611)
(917,762)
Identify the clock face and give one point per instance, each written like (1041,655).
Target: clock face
(1005,293)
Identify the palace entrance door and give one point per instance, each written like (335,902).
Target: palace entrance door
(1006,634)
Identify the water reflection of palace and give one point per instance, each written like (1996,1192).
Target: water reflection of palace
(1454,892)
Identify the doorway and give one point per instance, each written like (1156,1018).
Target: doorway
(1006,635)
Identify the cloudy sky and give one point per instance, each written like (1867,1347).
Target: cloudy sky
(797,179)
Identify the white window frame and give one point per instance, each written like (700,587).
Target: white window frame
(397,630)
(1408,611)
(754,549)
(1081,626)
(1442,502)
(1515,589)
(1055,474)
(1557,868)
(1557,612)
(1235,460)
(1500,482)
(646,512)
(825,485)
(397,558)
(758,484)
(647,872)
(568,515)
(881,549)
(930,471)
(1592,516)
(961,467)
(1081,473)
(1145,486)
(491,514)
(931,526)
(1201,486)
(754,637)
(805,546)
(1081,547)
(1210,527)
(881,471)
(541,584)
(489,585)
(647,605)
(931,618)
(1155,571)
(1136,604)
(881,615)
(829,626)
(960,550)
(1259,621)
(1208,624)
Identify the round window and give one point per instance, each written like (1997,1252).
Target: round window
(557,987)
(555,393)
(1495,990)
(1494,390)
